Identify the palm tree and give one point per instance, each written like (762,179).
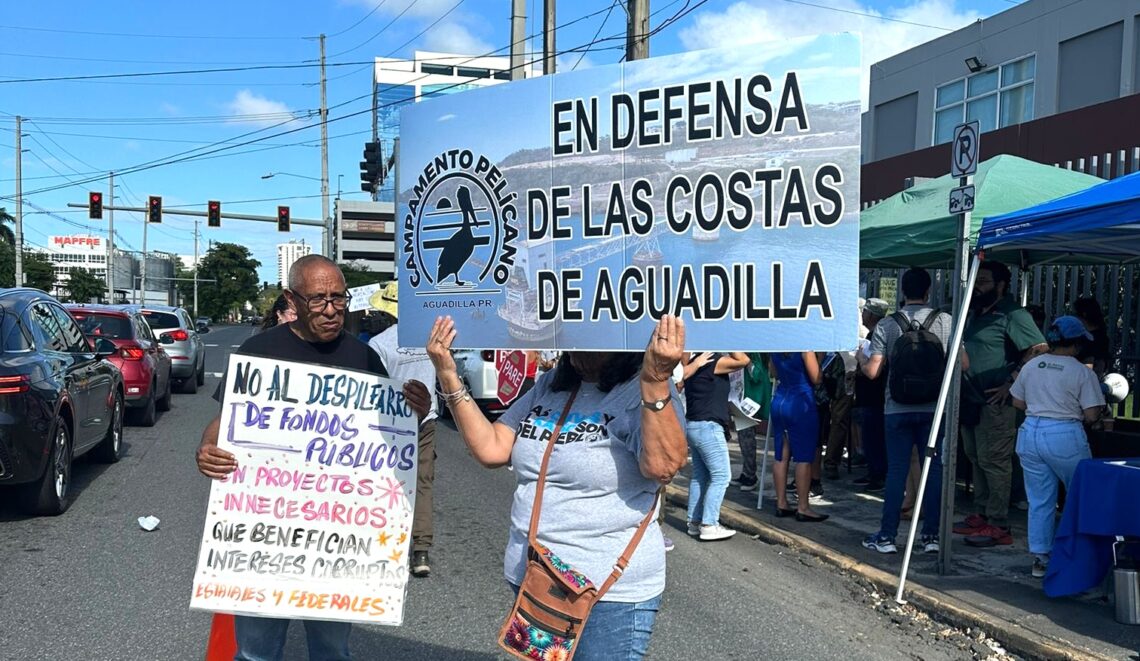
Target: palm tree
(6,233)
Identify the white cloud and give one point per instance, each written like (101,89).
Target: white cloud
(746,22)
(246,102)
(566,62)
(447,118)
(452,37)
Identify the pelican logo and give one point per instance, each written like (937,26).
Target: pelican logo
(459,230)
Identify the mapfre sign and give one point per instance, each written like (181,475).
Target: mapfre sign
(77,242)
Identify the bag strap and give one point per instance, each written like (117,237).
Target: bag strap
(904,324)
(928,323)
(532,535)
(627,554)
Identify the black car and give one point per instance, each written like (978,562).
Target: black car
(59,398)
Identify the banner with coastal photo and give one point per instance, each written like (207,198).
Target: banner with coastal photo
(316,521)
(572,211)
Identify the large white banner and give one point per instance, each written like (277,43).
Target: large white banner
(316,521)
(573,211)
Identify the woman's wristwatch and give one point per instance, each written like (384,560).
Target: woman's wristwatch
(656,405)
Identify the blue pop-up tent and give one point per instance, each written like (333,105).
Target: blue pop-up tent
(1100,225)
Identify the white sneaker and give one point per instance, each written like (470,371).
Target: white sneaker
(694,529)
(715,532)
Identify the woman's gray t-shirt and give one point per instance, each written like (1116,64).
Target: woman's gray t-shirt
(595,493)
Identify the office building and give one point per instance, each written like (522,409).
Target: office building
(287,253)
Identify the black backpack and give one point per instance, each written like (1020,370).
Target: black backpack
(917,360)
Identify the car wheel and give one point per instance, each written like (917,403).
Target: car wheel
(200,377)
(51,494)
(189,385)
(147,415)
(164,401)
(111,449)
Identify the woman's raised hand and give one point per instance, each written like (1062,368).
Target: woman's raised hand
(666,346)
(439,345)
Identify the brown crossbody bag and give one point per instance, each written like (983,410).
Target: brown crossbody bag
(554,600)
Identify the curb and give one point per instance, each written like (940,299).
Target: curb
(950,610)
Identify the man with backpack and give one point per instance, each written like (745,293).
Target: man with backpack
(908,348)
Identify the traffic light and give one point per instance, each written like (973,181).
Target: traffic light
(95,205)
(371,173)
(214,213)
(154,209)
(282,219)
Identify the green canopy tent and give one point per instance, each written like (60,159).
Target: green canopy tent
(915,227)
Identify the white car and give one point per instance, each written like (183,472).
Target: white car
(477,369)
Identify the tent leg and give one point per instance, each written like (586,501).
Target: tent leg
(763,463)
(952,364)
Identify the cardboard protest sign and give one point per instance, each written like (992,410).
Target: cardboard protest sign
(361,295)
(512,372)
(315,523)
(572,211)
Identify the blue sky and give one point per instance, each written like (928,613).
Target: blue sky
(78,130)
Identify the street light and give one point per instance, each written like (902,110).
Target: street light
(270,175)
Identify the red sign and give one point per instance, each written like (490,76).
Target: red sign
(512,373)
(91,241)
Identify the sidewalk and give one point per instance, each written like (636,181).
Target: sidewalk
(991,589)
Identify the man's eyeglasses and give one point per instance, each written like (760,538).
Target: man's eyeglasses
(318,303)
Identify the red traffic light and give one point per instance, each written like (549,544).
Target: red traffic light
(95,205)
(154,213)
(282,219)
(214,213)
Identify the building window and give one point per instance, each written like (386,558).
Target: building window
(502,75)
(471,72)
(997,97)
(437,69)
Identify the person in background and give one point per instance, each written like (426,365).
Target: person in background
(706,418)
(841,392)
(280,313)
(1097,352)
(1058,393)
(870,400)
(406,363)
(795,426)
(758,388)
(902,343)
(1000,337)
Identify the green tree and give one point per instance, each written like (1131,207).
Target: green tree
(6,233)
(234,271)
(38,271)
(83,286)
(357,274)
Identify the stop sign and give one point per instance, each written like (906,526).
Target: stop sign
(512,372)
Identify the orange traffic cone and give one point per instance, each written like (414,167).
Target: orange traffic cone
(223,642)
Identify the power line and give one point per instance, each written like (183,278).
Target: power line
(877,17)
(117,61)
(364,18)
(160,121)
(369,40)
(178,72)
(149,35)
(598,33)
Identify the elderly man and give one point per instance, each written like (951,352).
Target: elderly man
(317,292)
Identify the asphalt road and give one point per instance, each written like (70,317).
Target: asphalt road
(92,585)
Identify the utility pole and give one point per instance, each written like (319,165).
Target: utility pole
(548,64)
(518,39)
(19,205)
(142,288)
(325,156)
(196,235)
(111,241)
(637,32)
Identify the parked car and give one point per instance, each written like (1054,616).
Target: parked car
(141,357)
(203,324)
(187,352)
(59,399)
(477,369)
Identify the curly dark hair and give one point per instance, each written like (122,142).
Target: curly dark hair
(621,367)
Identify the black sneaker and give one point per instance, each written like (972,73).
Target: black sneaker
(874,487)
(816,489)
(420,565)
(747,484)
(861,481)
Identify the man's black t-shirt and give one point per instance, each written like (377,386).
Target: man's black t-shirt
(706,394)
(280,342)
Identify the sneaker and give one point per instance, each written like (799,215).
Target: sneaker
(990,536)
(420,565)
(715,532)
(971,525)
(874,486)
(861,481)
(929,543)
(880,543)
(748,484)
(693,529)
(737,479)
(668,544)
(1039,568)
(858,461)
(816,490)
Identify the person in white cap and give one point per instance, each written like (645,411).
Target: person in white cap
(408,363)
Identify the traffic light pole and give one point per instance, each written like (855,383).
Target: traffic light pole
(142,292)
(19,207)
(325,157)
(196,233)
(203,214)
(111,241)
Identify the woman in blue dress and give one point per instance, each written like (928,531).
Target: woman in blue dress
(795,426)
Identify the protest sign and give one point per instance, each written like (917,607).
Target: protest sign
(572,211)
(315,523)
(361,295)
(512,372)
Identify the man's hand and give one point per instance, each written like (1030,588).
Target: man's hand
(999,395)
(214,462)
(419,398)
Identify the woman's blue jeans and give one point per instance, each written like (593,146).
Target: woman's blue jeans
(616,630)
(711,471)
(1050,451)
(263,639)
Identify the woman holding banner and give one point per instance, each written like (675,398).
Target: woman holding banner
(601,433)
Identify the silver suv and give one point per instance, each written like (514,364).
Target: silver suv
(188,353)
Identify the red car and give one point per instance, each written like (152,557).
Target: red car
(140,357)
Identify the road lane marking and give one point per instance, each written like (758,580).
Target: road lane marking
(217,375)
(211,345)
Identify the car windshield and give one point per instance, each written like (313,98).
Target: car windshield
(104,325)
(161,319)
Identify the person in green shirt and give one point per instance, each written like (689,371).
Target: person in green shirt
(1000,337)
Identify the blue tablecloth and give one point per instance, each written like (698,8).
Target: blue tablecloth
(1104,502)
